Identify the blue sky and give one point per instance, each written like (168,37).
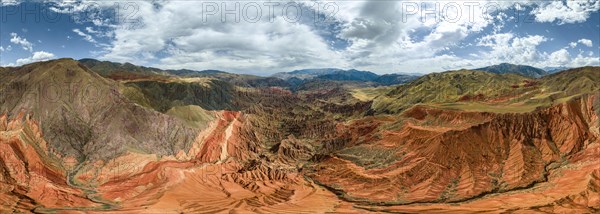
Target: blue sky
(266,37)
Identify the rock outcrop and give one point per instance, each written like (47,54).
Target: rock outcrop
(32,177)
(492,153)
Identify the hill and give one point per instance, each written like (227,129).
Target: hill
(573,81)
(119,71)
(298,77)
(107,68)
(485,91)
(208,93)
(506,68)
(84,115)
(446,87)
(243,80)
(305,73)
(349,75)
(551,70)
(395,79)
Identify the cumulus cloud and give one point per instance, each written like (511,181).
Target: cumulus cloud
(507,47)
(560,57)
(16,39)
(565,11)
(35,57)
(440,26)
(581,60)
(378,22)
(586,42)
(371,35)
(268,44)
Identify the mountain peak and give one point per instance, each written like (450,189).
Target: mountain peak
(524,70)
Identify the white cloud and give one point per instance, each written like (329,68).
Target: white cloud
(85,36)
(266,45)
(509,48)
(380,45)
(443,36)
(565,12)
(559,58)
(573,44)
(375,32)
(506,47)
(99,32)
(35,57)
(378,23)
(91,30)
(495,40)
(9,2)
(26,45)
(1,49)
(586,42)
(173,34)
(93,11)
(581,60)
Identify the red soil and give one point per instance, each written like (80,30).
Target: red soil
(545,161)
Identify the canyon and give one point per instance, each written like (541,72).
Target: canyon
(75,139)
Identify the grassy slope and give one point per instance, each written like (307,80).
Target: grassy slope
(370,93)
(446,87)
(210,94)
(193,115)
(573,81)
(83,115)
(501,93)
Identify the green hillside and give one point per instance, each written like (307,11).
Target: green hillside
(444,87)
(573,81)
(210,94)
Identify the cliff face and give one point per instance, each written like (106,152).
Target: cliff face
(494,153)
(30,174)
(223,165)
(459,156)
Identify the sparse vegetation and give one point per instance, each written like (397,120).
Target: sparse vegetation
(371,157)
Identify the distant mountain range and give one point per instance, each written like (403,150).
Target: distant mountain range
(298,77)
(123,70)
(506,68)
(295,79)
(551,70)
(306,73)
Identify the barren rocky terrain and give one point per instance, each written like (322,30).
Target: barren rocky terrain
(78,139)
